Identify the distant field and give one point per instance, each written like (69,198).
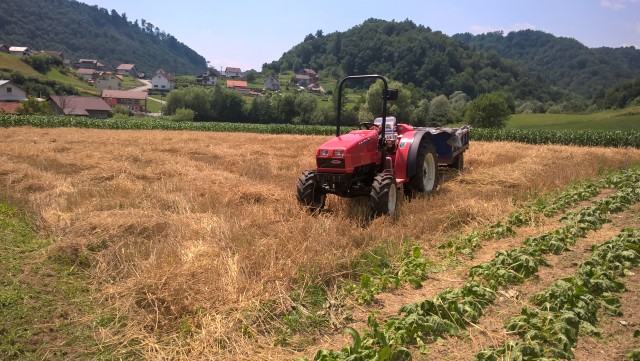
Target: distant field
(82,87)
(622,119)
(11,62)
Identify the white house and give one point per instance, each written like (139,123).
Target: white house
(210,77)
(11,92)
(272,84)
(21,51)
(163,80)
(232,72)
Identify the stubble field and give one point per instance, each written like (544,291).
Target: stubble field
(186,235)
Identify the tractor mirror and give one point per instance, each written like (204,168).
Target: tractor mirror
(392,94)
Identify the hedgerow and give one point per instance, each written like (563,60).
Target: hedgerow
(593,138)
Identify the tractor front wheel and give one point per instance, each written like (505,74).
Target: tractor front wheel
(384,194)
(308,192)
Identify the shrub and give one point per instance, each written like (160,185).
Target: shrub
(183,115)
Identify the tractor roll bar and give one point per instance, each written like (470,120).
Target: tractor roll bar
(387,94)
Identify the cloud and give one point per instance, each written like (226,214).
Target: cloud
(481,29)
(617,4)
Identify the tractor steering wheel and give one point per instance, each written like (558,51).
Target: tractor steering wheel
(367,125)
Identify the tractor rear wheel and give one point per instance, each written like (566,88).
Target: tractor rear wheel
(426,178)
(309,192)
(384,194)
(458,162)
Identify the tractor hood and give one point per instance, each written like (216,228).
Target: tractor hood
(347,151)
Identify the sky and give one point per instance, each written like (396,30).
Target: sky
(248,33)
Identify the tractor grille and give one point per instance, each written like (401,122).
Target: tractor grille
(336,163)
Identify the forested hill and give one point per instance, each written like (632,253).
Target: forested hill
(413,54)
(564,62)
(83,31)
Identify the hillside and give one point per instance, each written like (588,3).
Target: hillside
(410,53)
(563,62)
(83,31)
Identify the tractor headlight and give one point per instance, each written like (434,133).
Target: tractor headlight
(338,153)
(323,153)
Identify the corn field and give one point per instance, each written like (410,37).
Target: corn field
(591,138)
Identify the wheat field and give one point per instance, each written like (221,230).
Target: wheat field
(204,228)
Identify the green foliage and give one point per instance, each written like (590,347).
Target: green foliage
(410,53)
(80,31)
(183,115)
(440,112)
(624,94)
(561,61)
(587,138)
(34,106)
(121,110)
(43,62)
(38,85)
(488,111)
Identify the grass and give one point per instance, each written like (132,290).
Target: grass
(43,298)
(129,82)
(82,87)
(8,61)
(154,106)
(621,119)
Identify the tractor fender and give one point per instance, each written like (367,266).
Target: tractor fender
(412,153)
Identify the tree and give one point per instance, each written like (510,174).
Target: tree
(488,111)
(183,115)
(400,108)
(33,106)
(440,112)
(195,98)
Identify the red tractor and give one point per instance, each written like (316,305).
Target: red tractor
(374,160)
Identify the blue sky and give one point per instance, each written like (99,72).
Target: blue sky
(248,33)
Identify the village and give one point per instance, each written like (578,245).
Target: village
(109,80)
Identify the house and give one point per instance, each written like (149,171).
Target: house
(92,107)
(11,92)
(127,69)
(4,49)
(316,88)
(232,72)
(90,64)
(54,53)
(313,76)
(303,80)
(20,51)
(108,80)
(238,85)
(88,74)
(163,81)
(134,100)
(209,77)
(9,107)
(272,83)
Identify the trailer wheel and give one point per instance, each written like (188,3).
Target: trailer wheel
(458,163)
(384,194)
(308,191)
(426,178)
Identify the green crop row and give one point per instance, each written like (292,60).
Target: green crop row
(40,121)
(413,267)
(601,138)
(449,312)
(570,306)
(585,138)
